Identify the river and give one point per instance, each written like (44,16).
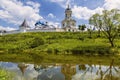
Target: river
(57,71)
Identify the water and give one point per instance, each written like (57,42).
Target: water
(62,71)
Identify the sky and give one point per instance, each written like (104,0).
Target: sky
(13,12)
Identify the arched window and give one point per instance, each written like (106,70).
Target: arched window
(65,15)
(63,24)
(69,30)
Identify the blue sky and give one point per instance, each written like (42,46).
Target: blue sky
(13,12)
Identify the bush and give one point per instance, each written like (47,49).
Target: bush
(37,41)
(50,50)
(5,75)
(92,50)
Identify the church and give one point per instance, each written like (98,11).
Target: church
(67,25)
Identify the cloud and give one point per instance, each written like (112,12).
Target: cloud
(14,11)
(87,76)
(6,28)
(111,4)
(55,24)
(50,15)
(85,13)
(34,5)
(68,2)
(62,3)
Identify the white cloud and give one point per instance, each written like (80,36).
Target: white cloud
(85,13)
(55,24)
(111,4)
(7,28)
(14,11)
(68,2)
(62,3)
(87,76)
(34,5)
(50,15)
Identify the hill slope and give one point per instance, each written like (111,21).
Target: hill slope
(56,42)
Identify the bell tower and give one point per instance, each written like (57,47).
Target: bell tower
(69,24)
(68,13)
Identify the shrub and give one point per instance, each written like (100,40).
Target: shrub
(5,75)
(92,50)
(37,41)
(50,50)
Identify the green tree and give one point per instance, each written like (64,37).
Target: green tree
(82,27)
(95,20)
(109,23)
(90,30)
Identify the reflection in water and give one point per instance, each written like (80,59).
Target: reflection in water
(68,70)
(22,67)
(63,71)
(55,72)
(111,73)
(48,72)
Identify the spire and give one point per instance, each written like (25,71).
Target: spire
(68,3)
(68,6)
(24,24)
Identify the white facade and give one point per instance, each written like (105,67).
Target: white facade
(68,25)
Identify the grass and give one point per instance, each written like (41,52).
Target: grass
(63,47)
(5,75)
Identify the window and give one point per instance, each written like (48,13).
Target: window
(69,30)
(63,25)
(65,15)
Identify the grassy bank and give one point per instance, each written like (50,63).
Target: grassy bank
(56,42)
(58,58)
(58,47)
(5,75)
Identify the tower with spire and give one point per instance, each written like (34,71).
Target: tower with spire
(24,26)
(69,24)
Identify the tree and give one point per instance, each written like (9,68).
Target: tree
(95,20)
(89,29)
(82,27)
(109,23)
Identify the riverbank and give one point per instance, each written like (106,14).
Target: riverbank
(58,47)
(53,58)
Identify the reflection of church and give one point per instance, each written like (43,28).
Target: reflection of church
(69,24)
(22,67)
(68,70)
(64,73)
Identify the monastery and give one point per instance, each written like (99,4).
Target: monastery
(67,25)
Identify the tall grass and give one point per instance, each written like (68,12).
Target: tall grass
(5,75)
